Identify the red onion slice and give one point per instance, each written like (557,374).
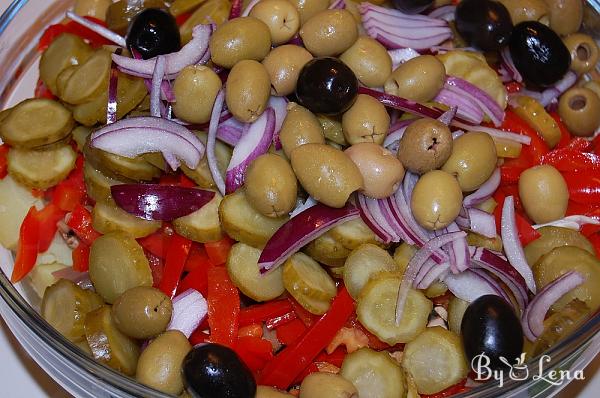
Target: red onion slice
(482,222)
(159,202)
(101,30)
(189,310)
(533,319)
(507,135)
(395,135)
(157,79)
(113,84)
(572,222)
(300,230)
(279,105)
(401,55)
(249,8)
(211,142)
(370,220)
(81,279)
(460,256)
(307,204)
(466,108)
(493,282)
(485,191)
(446,13)
(255,142)
(397,15)
(378,214)
(439,271)
(512,244)
(447,116)
(477,95)
(236,9)
(469,286)
(337,5)
(508,64)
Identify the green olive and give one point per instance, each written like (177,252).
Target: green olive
(436,200)
(426,145)
(283,65)
(544,193)
(329,32)
(369,60)
(473,160)
(308,8)
(195,89)
(326,173)
(240,39)
(299,127)
(367,120)
(525,10)
(418,79)
(565,15)
(584,52)
(247,91)
(281,17)
(382,172)
(330,385)
(270,392)
(142,312)
(271,185)
(579,108)
(159,366)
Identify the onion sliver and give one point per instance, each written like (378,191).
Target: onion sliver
(447,116)
(401,55)
(189,310)
(371,220)
(101,30)
(337,5)
(482,222)
(478,96)
(300,230)
(211,142)
(157,78)
(485,191)
(81,279)
(572,222)
(469,286)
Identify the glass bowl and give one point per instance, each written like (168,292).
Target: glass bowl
(20,28)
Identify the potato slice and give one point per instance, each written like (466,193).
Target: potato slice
(15,201)
(202,225)
(41,169)
(107,217)
(41,276)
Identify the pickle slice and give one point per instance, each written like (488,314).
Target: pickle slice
(120,167)
(376,310)
(97,184)
(36,122)
(314,306)
(488,206)
(107,217)
(201,174)
(242,266)
(304,275)
(536,116)
(41,169)
(553,237)
(327,250)
(80,136)
(107,344)
(474,239)
(374,374)
(211,11)
(41,276)
(435,360)
(353,233)
(203,225)
(65,305)
(63,77)
(88,80)
(507,148)
(456,310)
(64,51)
(365,263)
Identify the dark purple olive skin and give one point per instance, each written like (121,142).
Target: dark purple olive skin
(153,32)
(412,6)
(215,371)
(490,326)
(538,53)
(484,24)
(326,85)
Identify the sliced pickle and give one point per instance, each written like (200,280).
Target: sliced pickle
(201,174)
(97,184)
(435,360)
(117,264)
(403,255)
(507,148)
(488,206)
(80,136)
(456,310)
(88,80)
(337,272)
(35,122)
(15,202)
(41,169)
(119,167)
(364,263)
(314,306)
(242,222)
(534,114)
(354,233)
(65,305)
(211,11)
(242,266)
(374,374)
(325,249)
(63,77)
(332,129)
(64,51)
(304,275)
(570,258)
(179,7)
(481,241)
(202,225)
(156,159)
(41,276)
(376,310)
(121,12)
(108,345)
(107,217)
(436,289)
(553,237)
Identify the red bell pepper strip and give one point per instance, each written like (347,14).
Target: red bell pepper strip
(584,188)
(374,341)
(579,144)
(42,91)
(28,246)
(156,243)
(53,31)
(303,314)
(514,87)
(274,323)
(538,147)
(198,258)
(81,222)
(450,391)
(3,161)
(157,266)
(569,160)
(70,192)
(262,312)
(181,18)
(588,230)
(255,352)
(565,135)
(81,257)
(290,332)
(177,254)
(254,330)
(219,251)
(196,279)
(289,363)
(223,307)
(47,219)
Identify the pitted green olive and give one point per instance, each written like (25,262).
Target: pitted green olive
(369,60)
(240,39)
(142,312)
(329,32)
(195,90)
(584,52)
(579,109)
(426,145)
(308,8)
(367,120)
(418,79)
(281,17)
(525,10)
(299,127)
(247,91)
(283,65)
(436,200)
(544,193)
(565,15)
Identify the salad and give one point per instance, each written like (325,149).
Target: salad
(308,198)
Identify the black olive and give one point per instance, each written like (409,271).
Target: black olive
(490,326)
(538,53)
(153,32)
(326,85)
(484,24)
(215,371)
(412,6)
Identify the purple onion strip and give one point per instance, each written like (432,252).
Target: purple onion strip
(211,142)
(189,310)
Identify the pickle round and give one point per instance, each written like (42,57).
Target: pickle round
(88,80)
(107,217)
(553,237)
(66,50)
(203,225)
(327,250)
(303,275)
(364,263)
(353,233)
(41,169)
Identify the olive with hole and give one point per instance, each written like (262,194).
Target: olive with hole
(326,173)
(473,160)
(195,89)
(299,127)
(412,6)
(153,32)
(484,24)
(330,385)
(584,52)
(426,145)
(436,200)
(329,32)
(367,120)
(142,312)
(490,326)
(369,60)
(283,65)
(544,193)
(526,10)
(579,109)
(326,85)
(281,17)
(240,39)
(538,53)
(160,364)
(418,79)
(565,15)
(215,371)
(382,172)
(247,98)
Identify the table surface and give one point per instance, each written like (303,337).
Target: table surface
(21,377)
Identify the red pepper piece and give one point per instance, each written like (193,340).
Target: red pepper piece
(569,160)
(197,258)
(511,174)
(47,219)
(27,250)
(157,267)
(81,222)
(196,279)
(538,147)
(586,209)
(254,330)
(595,241)
(219,250)
(255,352)
(157,243)
(290,332)
(41,91)
(303,314)
(262,312)
(181,18)
(3,161)
(71,191)
(223,307)
(81,257)
(51,33)
(177,254)
(584,188)
(335,358)
(588,230)
(374,341)
(579,144)
(280,320)
(289,363)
